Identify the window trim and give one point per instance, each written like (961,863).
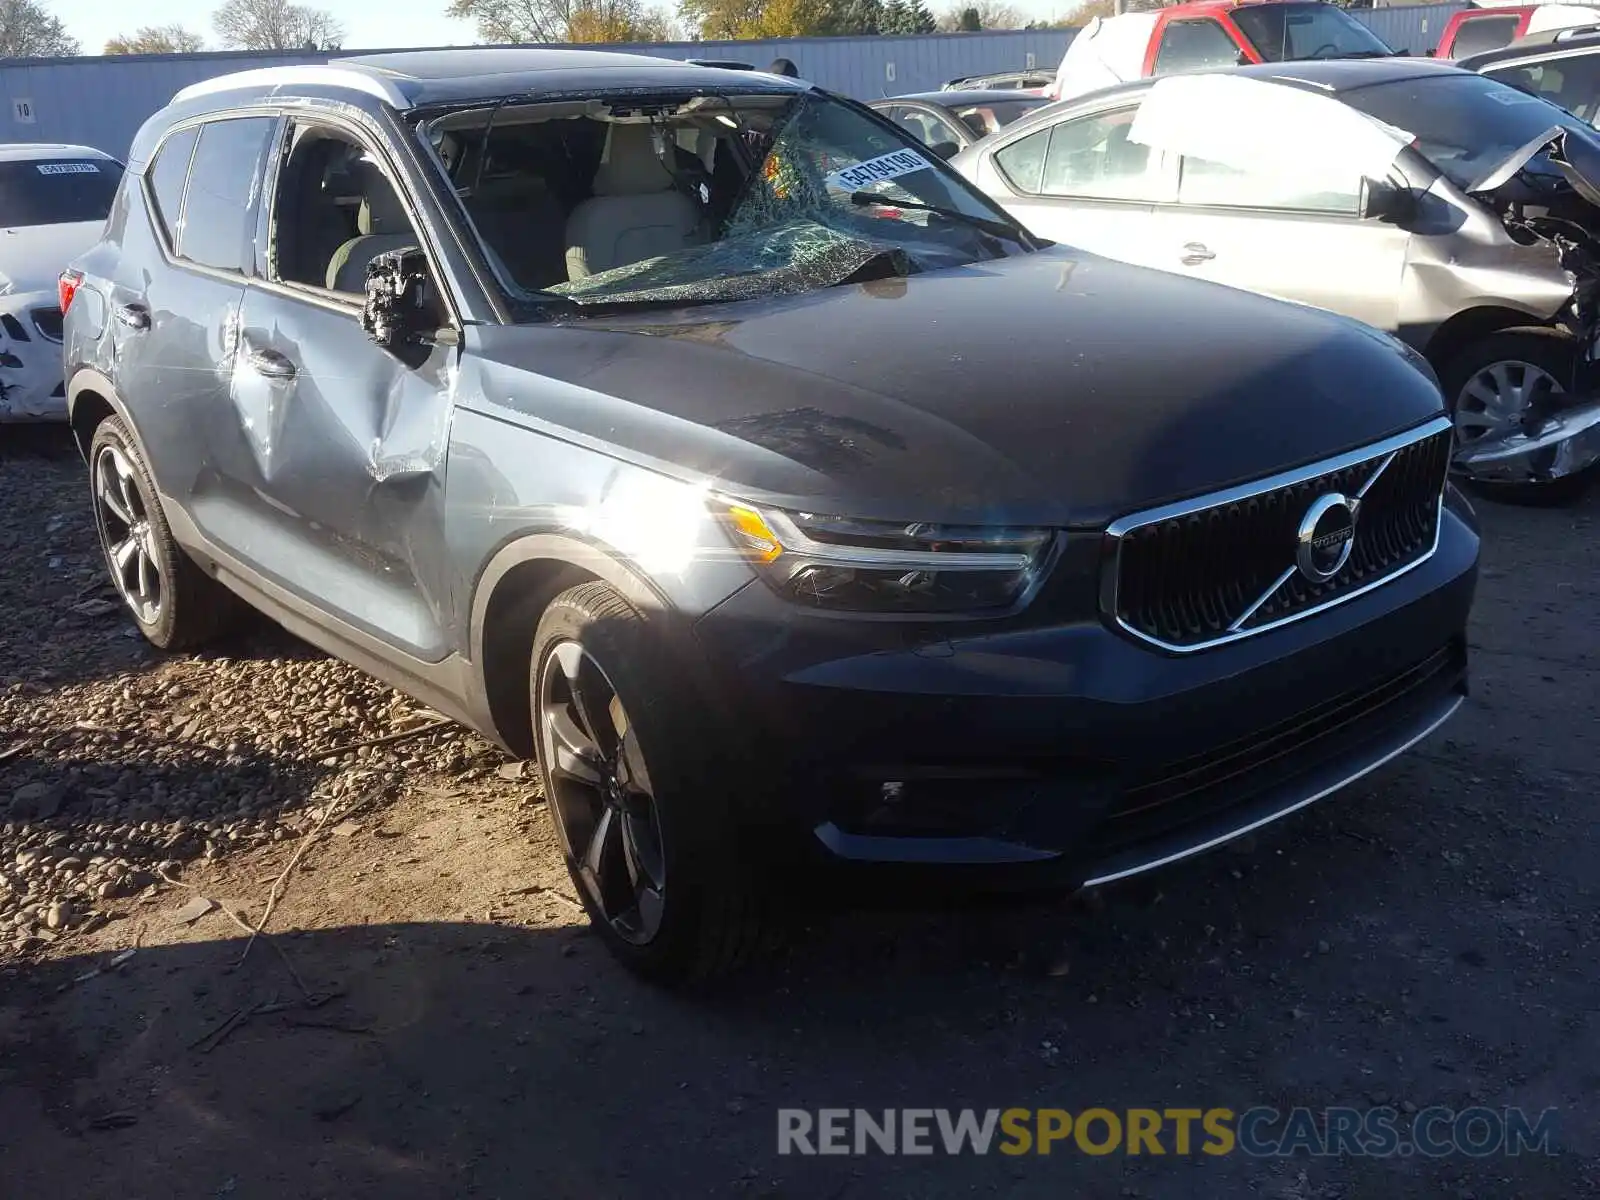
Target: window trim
(339,302)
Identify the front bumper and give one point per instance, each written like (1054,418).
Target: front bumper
(1072,755)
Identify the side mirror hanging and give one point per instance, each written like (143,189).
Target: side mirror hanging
(395,313)
(945,149)
(1385,200)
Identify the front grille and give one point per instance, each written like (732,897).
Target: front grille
(48,322)
(1220,568)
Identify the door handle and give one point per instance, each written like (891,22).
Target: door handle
(269,364)
(1195,253)
(135,316)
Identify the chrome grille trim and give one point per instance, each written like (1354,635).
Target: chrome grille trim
(1380,454)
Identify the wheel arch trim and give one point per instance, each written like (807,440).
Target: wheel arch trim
(563,550)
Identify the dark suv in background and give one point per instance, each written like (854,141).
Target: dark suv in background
(639,415)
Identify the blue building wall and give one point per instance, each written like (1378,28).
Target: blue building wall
(102,101)
(1413,27)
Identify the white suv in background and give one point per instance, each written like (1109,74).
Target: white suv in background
(53,204)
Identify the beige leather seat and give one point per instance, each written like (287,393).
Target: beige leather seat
(383,226)
(635,212)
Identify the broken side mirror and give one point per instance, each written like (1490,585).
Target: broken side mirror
(1385,200)
(945,149)
(397,312)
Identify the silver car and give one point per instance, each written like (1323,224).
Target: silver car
(1433,203)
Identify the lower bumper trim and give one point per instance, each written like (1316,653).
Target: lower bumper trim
(1270,808)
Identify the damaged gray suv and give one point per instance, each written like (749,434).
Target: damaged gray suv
(698,434)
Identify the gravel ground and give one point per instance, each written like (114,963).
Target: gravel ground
(429,1017)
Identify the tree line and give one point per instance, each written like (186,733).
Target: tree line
(28,29)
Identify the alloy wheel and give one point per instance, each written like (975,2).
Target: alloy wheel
(1496,401)
(600,794)
(127,535)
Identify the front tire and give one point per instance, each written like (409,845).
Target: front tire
(643,820)
(175,604)
(1490,387)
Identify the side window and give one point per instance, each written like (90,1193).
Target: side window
(1194,46)
(1477,34)
(1573,83)
(219,217)
(923,126)
(1093,157)
(1213,183)
(335,211)
(168,174)
(1022,162)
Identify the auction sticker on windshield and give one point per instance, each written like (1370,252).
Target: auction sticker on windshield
(875,170)
(77,168)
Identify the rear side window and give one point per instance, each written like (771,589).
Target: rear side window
(219,207)
(167,176)
(1093,157)
(56,191)
(1022,162)
(1477,34)
(1195,46)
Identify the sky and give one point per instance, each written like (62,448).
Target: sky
(369,24)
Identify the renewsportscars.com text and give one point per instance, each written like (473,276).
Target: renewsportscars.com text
(1259,1132)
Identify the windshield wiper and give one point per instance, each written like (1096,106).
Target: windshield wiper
(1014,233)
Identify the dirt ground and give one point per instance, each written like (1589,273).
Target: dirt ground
(429,1016)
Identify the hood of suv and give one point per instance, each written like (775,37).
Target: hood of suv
(32,257)
(1054,387)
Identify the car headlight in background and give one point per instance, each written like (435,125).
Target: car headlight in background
(851,565)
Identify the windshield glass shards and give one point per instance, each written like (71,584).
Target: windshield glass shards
(701,199)
(782,261)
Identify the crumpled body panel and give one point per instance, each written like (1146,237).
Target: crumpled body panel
(30,369)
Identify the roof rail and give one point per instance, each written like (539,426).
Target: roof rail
(334,75)
(1573,31)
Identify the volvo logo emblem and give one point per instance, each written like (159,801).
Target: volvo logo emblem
(1326,536)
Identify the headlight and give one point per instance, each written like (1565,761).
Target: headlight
(885,566)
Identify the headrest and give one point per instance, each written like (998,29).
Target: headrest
(630,165)
(381,210)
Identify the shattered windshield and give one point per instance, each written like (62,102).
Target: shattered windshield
(707,198)
(1464,124)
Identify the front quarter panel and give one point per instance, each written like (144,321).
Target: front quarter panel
(519,489)
(1460,257)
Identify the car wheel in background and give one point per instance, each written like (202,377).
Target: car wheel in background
(175,604)
(1491,387)
(634,792)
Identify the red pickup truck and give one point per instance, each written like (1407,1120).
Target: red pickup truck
(1210,33)
(1492,26)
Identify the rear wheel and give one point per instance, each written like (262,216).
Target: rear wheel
(175,604)
(641,816)
(1494,386)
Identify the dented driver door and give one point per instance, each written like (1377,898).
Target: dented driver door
(332,456)
(339,449)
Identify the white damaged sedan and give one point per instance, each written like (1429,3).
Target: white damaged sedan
(53,203)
